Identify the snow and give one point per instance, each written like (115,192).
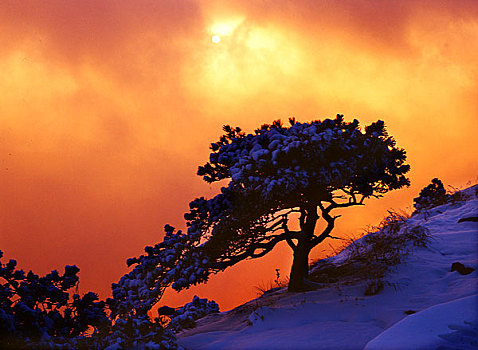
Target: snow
(426,328)
(339,316)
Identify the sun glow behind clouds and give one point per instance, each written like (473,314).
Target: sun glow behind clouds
(225,27)
(250,58)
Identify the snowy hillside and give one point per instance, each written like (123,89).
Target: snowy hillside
(423,305)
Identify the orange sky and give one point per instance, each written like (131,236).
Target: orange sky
(108,107)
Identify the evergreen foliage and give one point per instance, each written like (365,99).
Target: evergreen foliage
(38,311)
(43,313)
(431,196)
(279,171)
(276,174)
(186,316)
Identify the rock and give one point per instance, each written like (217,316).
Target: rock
(471,218)
(461,269)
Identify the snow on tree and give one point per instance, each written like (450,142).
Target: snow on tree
(186,316)
(163,264)
(37,312)
(43,313)
(139,332)
(277,174)
(432,195)
(307,169)
(140,289)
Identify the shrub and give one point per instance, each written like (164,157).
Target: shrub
(37,312)
(43,313)
(141,333)
(431,196)
(456,195)
(186,316)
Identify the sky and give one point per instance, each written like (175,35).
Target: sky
(107,108)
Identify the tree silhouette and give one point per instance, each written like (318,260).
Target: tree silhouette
(277,175)
(307,169)
(37,312)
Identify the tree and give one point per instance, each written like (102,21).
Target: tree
(277,175)
(307,170)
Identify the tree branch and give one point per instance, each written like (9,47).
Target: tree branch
(250,252)
(303,216)
(330,219)
(333,237)
(288,239)
(362,199)
(291,244)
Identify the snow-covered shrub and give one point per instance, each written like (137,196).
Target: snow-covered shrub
(373,287)
(419,236)
(41,313)
(186,316)
(163,265)
(139,332)
(456,195)
(431,196)
(37,312)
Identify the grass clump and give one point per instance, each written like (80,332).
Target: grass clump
(385,245)
(272,286)
(370,257)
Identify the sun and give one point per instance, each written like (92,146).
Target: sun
(215,39)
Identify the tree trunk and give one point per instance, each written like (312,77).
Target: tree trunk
(300,266)
(300,269)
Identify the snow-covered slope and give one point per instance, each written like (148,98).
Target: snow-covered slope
(449,325)
(424,304)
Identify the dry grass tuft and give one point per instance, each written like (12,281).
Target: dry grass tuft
(272,286)
(377,252)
